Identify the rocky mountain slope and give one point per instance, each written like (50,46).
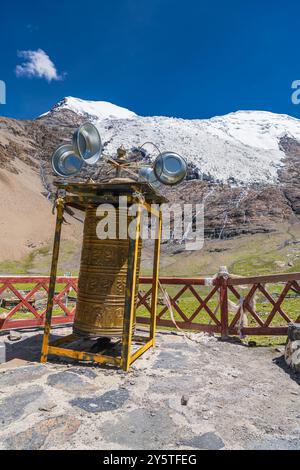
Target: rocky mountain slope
(244,166)
(26,221)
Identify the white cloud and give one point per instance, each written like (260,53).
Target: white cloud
(37,64)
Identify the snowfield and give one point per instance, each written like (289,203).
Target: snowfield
(92,109)
(238,148)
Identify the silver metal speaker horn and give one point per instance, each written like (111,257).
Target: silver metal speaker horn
(170,168)
(147,174)
(87,143)
(65,162)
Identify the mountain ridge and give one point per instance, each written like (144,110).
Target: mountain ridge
(245,165)
(90,108)
(241,147)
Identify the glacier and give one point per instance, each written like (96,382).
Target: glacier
(238,148)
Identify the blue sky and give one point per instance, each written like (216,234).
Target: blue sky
(190,59)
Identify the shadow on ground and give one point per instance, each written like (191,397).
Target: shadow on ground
(280,362)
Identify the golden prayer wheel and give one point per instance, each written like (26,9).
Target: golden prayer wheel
(102,279)
(109,270)
(110,266)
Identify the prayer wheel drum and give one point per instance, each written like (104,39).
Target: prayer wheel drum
(102,280)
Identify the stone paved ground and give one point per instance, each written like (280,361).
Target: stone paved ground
(237,398)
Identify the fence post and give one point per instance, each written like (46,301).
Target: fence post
(223,278)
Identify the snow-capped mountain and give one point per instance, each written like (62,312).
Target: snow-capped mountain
(238,148)
(245,166)
(91,109)
(242,147)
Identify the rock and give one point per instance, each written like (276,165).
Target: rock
(275,443)
(150,430)
(69,382)
(47,406)
(21,403)
(184,400)
(292,355)
(294,331)
(292,349)
(109,401)
(179,384)
(207,441)
(174,360)
(2,353)
(14,336)
(279,264)
(252,344)
(48,432)
(22,374)
(85,371)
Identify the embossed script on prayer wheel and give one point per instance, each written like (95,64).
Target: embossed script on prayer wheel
(102,280)
(109,272)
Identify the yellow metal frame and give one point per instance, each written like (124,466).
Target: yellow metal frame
(127,358)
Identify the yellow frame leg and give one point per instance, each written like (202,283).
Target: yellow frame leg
(51,293)
(130,294)
(155,280)
(126,358)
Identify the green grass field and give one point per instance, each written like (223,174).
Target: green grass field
(246,256)
(188,304)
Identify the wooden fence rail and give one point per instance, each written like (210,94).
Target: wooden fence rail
(225,305)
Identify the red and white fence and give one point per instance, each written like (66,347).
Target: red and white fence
(215,305)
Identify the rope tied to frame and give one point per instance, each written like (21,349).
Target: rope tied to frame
(139,196)
(242,320)
(186,336)
(58,201)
